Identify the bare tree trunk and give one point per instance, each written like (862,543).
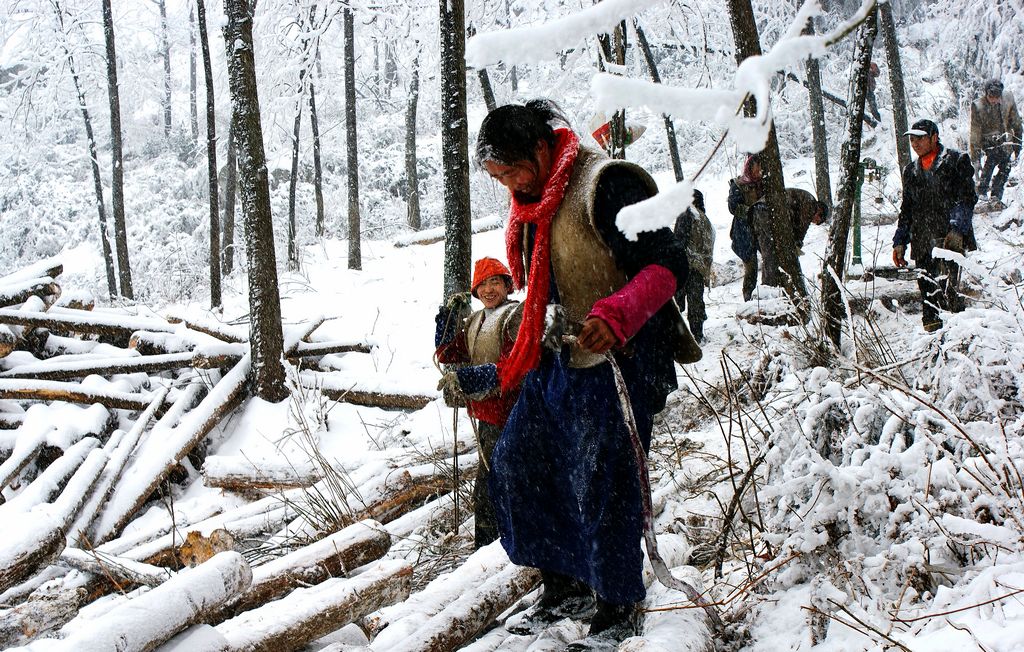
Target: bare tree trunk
(774,232)
(165,51)
(117,177)
(355,256)
(318,174)
(899,95)
(293,250)
(411,173)
(613,47)
(513,76)
(211,159)
(230,188)
(835,254)
(265,336)
(822,182)
(108,257)
(192,90)
(652,69)
(455,148)
(485,81)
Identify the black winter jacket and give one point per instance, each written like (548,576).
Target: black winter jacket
(936,201)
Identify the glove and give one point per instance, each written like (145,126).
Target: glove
(897,255)
(459,300)
(449,383)
(446,326)
(474,381)
(954,241)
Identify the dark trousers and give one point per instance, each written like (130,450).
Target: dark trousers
(749,277)
(939,285)
(483,507)
(691,298)
(995,157)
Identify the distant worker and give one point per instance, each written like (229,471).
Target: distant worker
(937,209)
(804,210)
(699,236)
(873,73)
(996,132)
(746,191)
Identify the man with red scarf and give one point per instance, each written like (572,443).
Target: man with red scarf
(564,480)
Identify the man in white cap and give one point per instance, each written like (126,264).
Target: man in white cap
(937,210)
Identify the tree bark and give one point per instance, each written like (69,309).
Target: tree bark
(411,173)
(44,390)
(115,326)
(192,82)
(230,189)
(17,294)
(355,256)
(165,53)
(293,178)
(318,174)
(652,69)
(822,181)
(455,148)
(899,95)
(211,160)
(780,266)
(834,265)
(265,336)
(108,257)
(117,178)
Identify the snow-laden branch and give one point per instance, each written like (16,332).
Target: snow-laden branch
(539,42)
(752,79)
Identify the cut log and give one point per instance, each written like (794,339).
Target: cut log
(49,482)
(67,369)
(115,326)
(294,335)
(377,399)
(407,489)
(469,615)
(430,236)
(144,622)
(317,349)
(51,267)
(197,638)
(52,390)
(215,329)
(27,447)
(18,292)
(118,450)
(124,572)
(7,341)
(391,625)
(240,474)
(30,542)
(355,546)
(39,615)
(308,614)
(668,629)
(11,420)
(167,448)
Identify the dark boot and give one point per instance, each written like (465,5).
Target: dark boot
(612,624)
(563,597)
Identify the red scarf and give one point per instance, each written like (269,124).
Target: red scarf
(525,355)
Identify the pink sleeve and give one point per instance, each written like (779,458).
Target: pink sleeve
(628,310)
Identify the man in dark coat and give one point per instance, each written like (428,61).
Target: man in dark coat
(697,231)
(745,203)
(996,134)
(937,209)
(564,478)
(804,210)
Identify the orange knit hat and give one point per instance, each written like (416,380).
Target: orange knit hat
(485,268)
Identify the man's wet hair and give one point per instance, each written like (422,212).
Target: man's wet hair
(510,133)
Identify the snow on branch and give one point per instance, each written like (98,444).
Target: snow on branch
(539,42)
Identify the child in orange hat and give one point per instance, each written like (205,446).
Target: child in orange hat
(480,342)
